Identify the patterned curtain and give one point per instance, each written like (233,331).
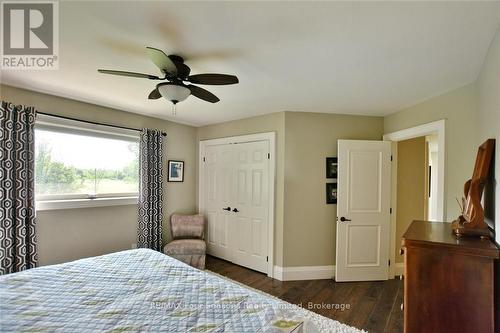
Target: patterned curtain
(17,196)
(150,190)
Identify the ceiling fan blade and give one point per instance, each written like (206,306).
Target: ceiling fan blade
(155,94)
(203,94)
(214,79)
(132,74)
(162,61)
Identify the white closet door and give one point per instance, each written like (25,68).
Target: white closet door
(218,195)
(249,227)
(236,197)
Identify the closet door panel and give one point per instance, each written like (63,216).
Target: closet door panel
(251,202)
(218,186)
(237,177)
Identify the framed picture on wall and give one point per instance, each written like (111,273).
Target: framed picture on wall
(331,167)
(331,193)
(175,171)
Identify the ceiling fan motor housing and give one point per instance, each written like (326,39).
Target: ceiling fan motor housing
(183,70)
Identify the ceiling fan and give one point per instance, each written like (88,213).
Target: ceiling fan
(177,73)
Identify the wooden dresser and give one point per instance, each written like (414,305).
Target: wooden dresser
(449,281)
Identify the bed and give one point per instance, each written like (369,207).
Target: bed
(143,291)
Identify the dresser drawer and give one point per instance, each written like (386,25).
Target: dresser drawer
(447,287)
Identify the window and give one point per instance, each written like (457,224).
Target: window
(77,162)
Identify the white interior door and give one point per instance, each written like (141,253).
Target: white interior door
(236,202)
(363,210)
(250,205)
(217,198)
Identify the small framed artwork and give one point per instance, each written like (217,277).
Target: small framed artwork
(331,193)
(331,167)
(175,171)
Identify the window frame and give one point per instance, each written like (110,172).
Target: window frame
(75,127)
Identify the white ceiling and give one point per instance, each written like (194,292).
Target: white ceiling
(338,57)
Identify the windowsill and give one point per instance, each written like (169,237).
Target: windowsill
(84,203)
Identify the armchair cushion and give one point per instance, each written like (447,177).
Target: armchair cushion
(187,226)
(185,246)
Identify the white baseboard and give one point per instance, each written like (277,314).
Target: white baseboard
(399,269)
(296,273)
(304,273)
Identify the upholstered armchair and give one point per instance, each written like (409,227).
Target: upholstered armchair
(187,243)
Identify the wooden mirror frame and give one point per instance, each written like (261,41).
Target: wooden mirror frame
(471,222)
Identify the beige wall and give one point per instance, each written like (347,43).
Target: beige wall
(274,122)
(309,227)
(70,234)
(304,140)
(411,187)
(488,89)
(460,111)
(305,225)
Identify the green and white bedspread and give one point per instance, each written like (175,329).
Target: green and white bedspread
(143,291)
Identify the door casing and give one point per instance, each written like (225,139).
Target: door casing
(434,128)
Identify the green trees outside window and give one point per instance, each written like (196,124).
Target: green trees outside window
(89,167)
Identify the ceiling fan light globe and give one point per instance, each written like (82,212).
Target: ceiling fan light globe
(173,92)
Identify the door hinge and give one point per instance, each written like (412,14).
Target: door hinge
(390,210)
(203,159)
(267,259)
(389,262)
(391,158)
(268,156)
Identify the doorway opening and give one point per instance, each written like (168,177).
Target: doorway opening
(417,181)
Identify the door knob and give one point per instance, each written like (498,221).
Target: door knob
(343,219)
(227,208)
(236,210)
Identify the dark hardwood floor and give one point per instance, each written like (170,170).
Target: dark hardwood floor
(373,306)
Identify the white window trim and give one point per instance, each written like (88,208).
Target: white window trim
(82,196)
(84,203)
(71,201)
(70,126)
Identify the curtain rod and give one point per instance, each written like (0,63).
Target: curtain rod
(94,123)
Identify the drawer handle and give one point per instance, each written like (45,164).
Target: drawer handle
(402,306)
